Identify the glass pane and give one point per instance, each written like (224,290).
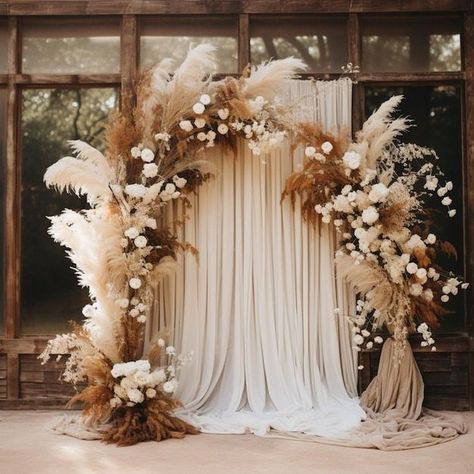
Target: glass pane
(3,47)
(70,47)
(172,38)
(322,44)
(436,114)
(49,293)
(3,134)
(411,45)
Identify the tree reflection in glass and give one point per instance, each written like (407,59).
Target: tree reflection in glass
(49,293)
(321,44)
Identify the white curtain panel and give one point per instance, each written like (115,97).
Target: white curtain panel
(257,306)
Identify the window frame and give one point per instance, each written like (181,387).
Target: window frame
(12,343)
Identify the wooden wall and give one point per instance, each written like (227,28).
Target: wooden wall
(448,373)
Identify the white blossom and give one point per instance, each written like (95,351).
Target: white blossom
(135,283)
(198,108)
(223,113)
(370,215)
(326,147)
(205,99)
(186,125)
(150,170)
(200,122)
(351,160)
(135,190)
(222,128)
(140,241)
(147,155)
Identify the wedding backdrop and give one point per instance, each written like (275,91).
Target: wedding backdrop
(238,309)
(244,218)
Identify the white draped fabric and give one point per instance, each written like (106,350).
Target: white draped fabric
(257,306)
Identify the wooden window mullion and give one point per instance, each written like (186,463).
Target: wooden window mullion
(129,42)
(244,41)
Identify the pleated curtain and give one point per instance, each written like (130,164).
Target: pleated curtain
(257,306)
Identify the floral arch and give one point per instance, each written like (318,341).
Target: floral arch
(372,190)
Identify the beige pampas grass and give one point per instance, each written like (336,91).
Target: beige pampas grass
(378,131)
(267,79)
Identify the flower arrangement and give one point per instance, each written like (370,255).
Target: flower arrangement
(374,190)
(120,245)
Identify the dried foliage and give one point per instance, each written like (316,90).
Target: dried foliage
(151,421)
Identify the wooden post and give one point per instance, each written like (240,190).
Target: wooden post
(468,42)
(244,41)
(128,60)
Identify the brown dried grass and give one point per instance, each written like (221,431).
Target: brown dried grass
(150,421)
(95,401)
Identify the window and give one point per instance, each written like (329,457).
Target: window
(70,46)
(50,296)
(321,43)
(436,113)
(411,45)
(172,37)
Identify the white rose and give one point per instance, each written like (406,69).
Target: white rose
(201,136)
(150,393)
(310,151)
(358,339)
(421,273)
(140,241)
(351,160)
(416,289)
(222,128)
(170,386)
(211,135)
(141,319)
(147,155)
(186,125)
(223,113)
(378,193)
(150,170)
(452,213)
(369,345)
(135,396)
(205,99)
(136,152)
(135,283)
(431,239)
(179,182)
(134,312)
(198,108)
(446,201)
(200,122)
(140,377)
(115,402)
(156,377)
(412,268)
(370,215)
(378,340)
(132,232)
(445,298)
(135,190)
(327,147)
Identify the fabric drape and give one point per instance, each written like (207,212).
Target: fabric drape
(258,306)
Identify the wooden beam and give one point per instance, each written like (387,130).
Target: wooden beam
(244,41)
(129,47)
(468,41)
(173,7)
(12,193)
(418,77)
(67,79)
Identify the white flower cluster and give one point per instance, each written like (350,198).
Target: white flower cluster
(356,213)
(137,382)
(360,333)
(428,340)
(312,153)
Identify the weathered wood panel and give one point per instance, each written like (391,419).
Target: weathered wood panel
(3,376)
(42,381)
(173,7)
(445,374)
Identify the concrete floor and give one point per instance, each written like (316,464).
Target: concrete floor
(26,446)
